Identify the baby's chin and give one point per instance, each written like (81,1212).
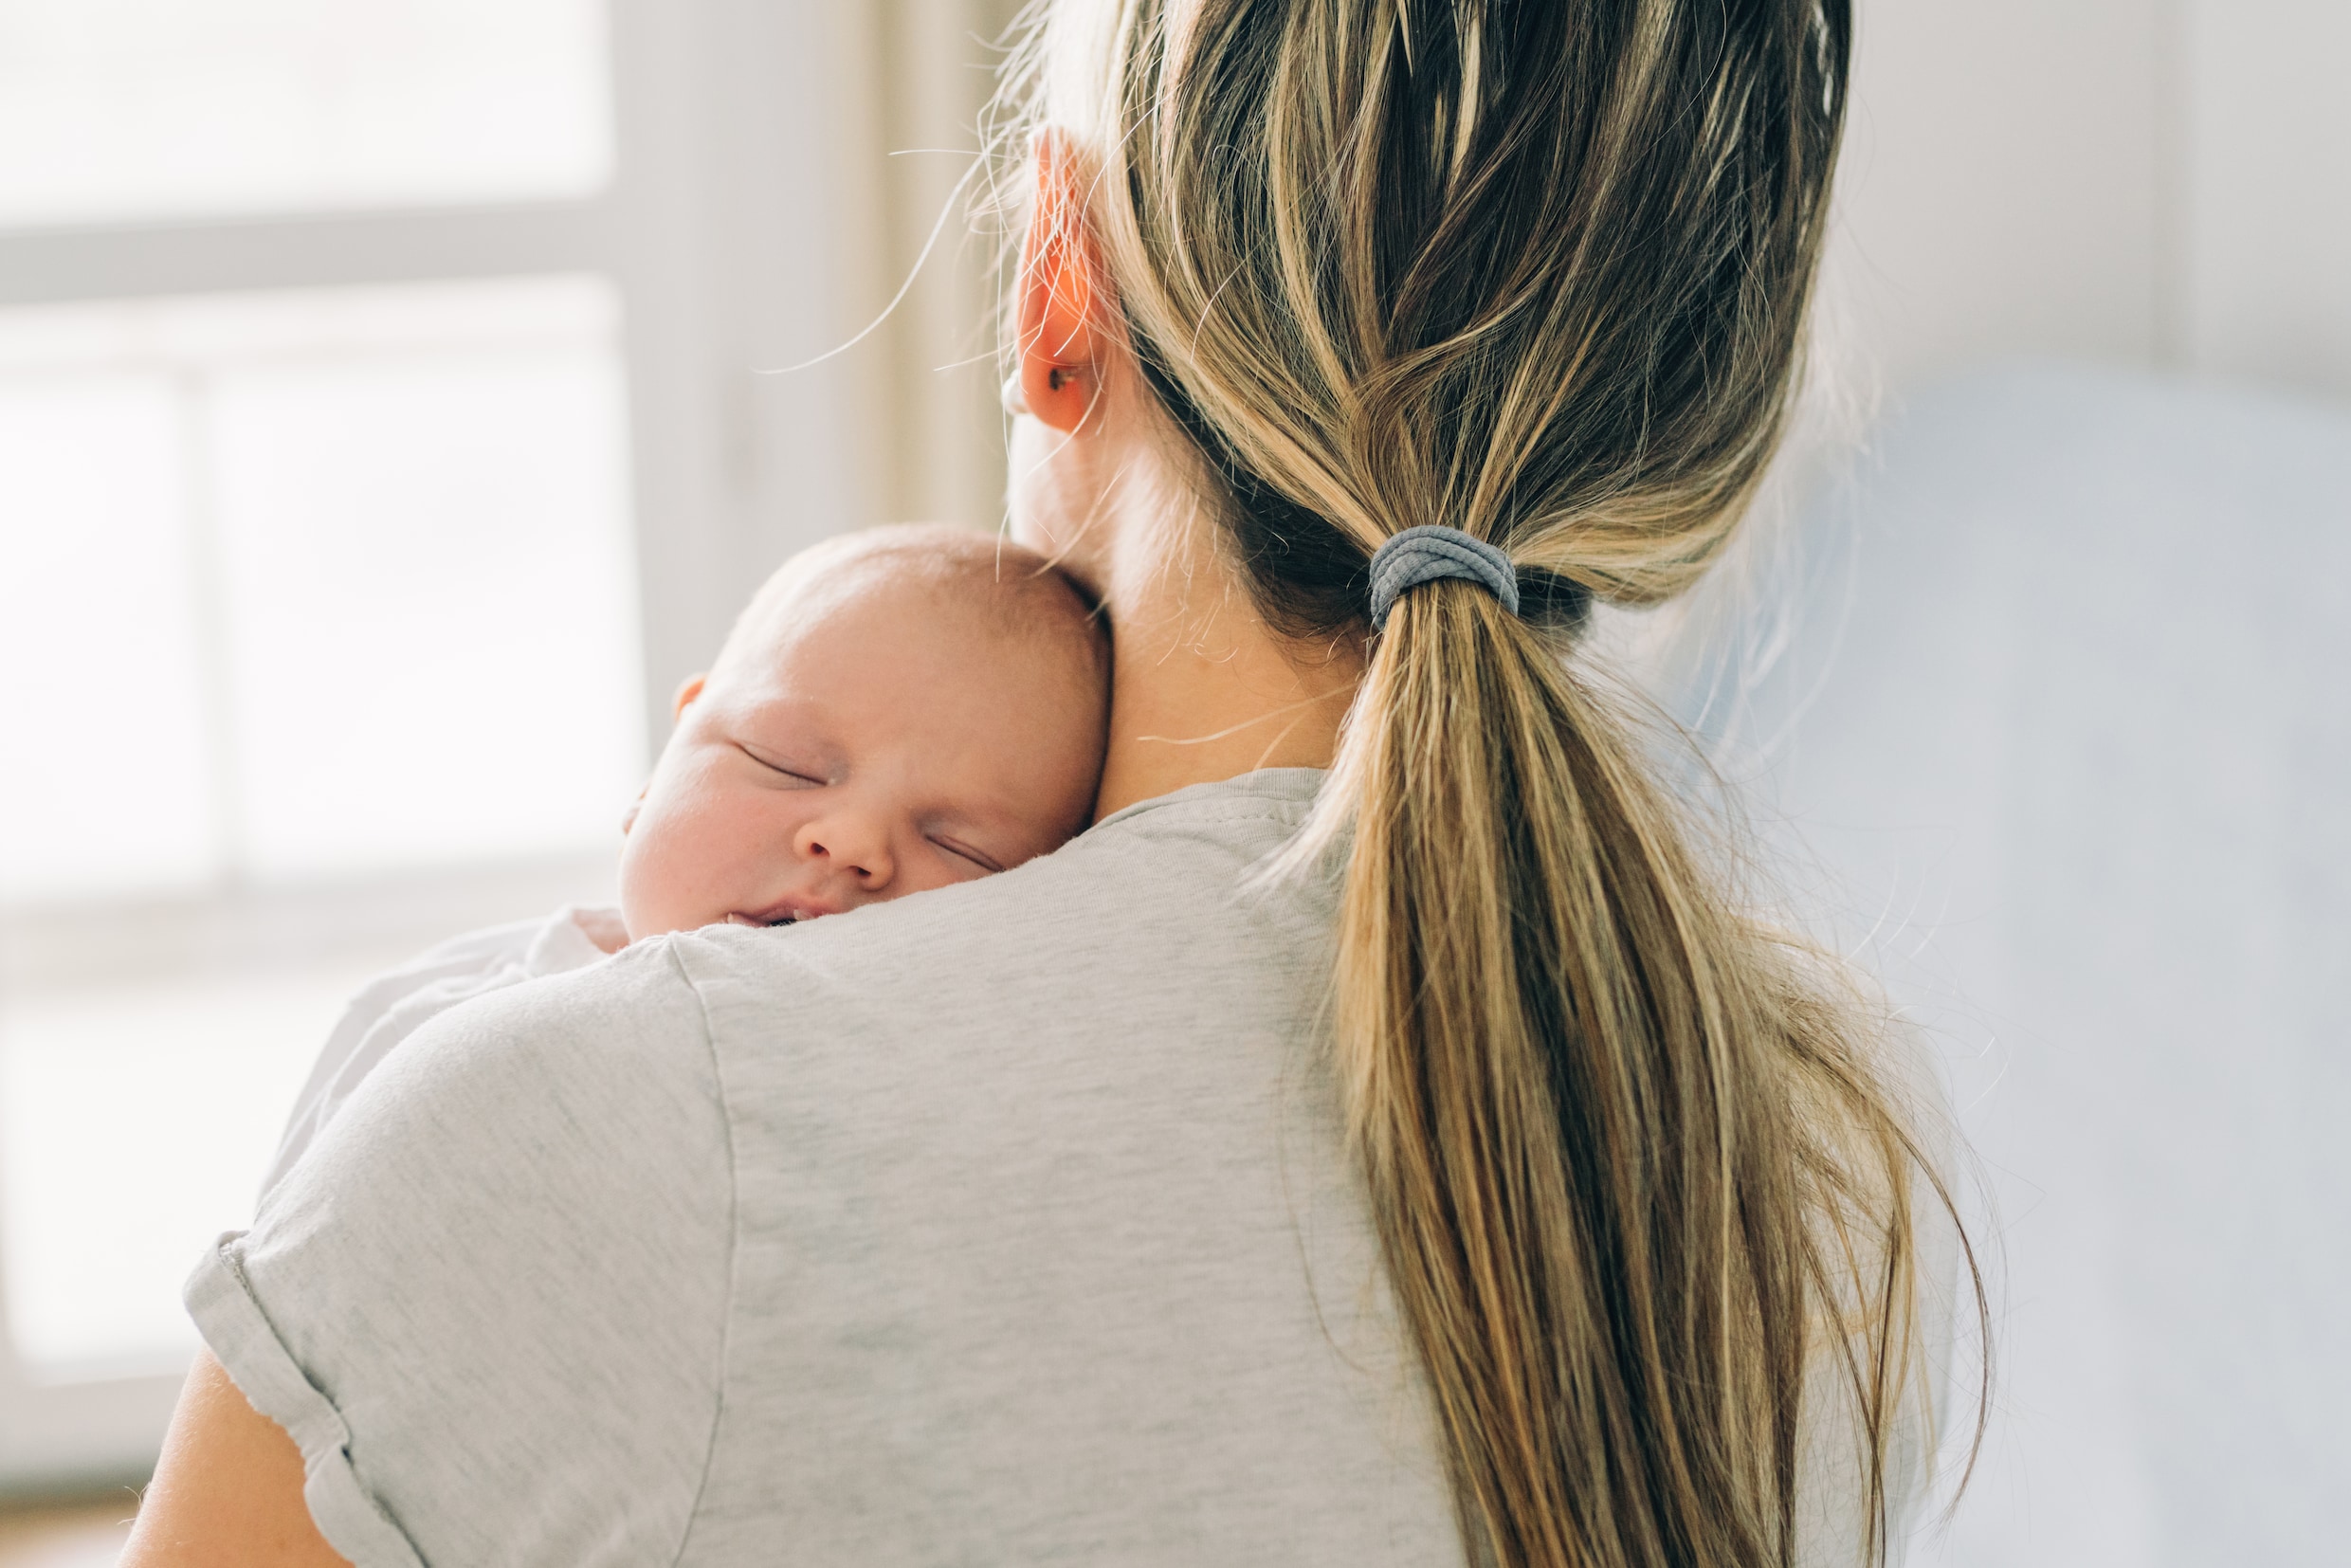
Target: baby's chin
(641,922)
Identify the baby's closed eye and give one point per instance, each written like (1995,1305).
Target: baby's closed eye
(799,772)
(967,851)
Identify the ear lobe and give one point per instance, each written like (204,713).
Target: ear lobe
(688,690)
(1059,277)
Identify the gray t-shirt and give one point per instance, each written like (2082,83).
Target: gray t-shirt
(1008,1224)
(398,1005)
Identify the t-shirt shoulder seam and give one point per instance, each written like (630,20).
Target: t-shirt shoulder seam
(734,1253)
(1212,811)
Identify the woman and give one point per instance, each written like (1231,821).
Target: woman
(1423,1160)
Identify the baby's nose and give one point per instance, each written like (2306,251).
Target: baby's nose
(851,844)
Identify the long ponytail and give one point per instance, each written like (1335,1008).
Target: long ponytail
(1568,1066)
(1540,272)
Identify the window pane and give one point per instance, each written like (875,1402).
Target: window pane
(149,1054)
(305,585)
(104,786)
(318,644)
(173,109)
(136,1120)
(429,597)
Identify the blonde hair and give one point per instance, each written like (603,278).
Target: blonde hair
(1538,271)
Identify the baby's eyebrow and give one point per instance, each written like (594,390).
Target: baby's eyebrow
(792,724)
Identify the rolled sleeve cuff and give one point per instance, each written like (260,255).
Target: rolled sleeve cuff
(239,1334)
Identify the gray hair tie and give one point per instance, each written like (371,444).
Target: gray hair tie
(1430,552)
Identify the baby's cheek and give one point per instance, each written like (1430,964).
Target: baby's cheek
(1075,790)
(657,881)
(639,896)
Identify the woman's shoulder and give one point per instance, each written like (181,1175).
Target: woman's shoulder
(1216,811)
(1150,897)
(1204,840)
(490,1301)
(557,1039)
(1041,1195)
(517,1097)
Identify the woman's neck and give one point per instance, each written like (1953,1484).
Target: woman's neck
(1203,689)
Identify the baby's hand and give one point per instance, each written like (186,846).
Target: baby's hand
(603,927)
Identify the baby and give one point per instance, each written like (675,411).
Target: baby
(899,709)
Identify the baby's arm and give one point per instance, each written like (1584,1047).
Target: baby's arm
(602,927)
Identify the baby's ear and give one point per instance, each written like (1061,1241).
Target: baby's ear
(688,690)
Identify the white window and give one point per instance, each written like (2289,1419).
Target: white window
(363,488)
(319,594)
(319,622)
(381,440)
(139,110)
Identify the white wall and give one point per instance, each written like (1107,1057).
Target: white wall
(2163,183)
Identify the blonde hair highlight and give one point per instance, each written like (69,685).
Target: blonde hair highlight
(1538,271)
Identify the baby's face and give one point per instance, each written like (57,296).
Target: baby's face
(874,741)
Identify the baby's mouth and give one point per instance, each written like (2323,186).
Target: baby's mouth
(784,912)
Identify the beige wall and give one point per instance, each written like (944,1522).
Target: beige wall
(913,78)
(767,226)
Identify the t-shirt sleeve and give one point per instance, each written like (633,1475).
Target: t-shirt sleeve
(490,1303)
(394,1006)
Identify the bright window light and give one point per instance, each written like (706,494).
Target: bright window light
(316,610)
(429,638)
(104,787)
(142,109)
(136,1120)
(303,585)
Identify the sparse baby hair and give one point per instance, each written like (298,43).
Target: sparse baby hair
(1015,593)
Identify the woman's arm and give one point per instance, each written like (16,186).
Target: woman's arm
(228,1491)
(487,1308)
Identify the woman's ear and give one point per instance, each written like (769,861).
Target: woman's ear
(688,690)
(1059,280)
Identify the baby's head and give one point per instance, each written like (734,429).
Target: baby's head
(899,709)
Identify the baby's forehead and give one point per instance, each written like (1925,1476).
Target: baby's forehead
(928,586)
